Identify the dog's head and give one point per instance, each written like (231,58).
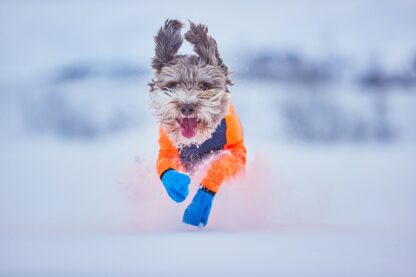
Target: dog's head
(189,93)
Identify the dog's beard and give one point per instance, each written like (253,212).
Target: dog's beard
(210,108)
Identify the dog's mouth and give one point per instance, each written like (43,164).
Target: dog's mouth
(188,126)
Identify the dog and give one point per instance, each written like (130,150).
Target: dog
(190,97)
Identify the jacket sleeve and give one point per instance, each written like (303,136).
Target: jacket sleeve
(168,154)
(232,160)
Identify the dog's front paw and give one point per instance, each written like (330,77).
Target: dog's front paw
(176,185)
(198,211)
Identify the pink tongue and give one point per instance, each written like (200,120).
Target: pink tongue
(188,127)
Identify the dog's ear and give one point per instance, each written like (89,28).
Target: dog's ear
(168,41)
(204,45)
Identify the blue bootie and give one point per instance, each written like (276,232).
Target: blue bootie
(197,212)
(176,184)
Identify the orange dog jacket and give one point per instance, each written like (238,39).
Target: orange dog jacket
(227,141)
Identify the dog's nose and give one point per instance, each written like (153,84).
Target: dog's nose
(187,109)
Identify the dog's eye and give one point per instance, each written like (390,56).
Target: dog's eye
(171,85)
(204,86)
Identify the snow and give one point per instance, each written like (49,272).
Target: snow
(86,201)
(98,209)
(190,254)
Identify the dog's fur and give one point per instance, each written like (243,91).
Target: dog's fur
(201,80)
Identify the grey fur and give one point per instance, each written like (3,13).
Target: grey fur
(201,80)
(168,41)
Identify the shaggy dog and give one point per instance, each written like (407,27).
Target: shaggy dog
(189,95)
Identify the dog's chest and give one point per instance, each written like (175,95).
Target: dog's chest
(192,155)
